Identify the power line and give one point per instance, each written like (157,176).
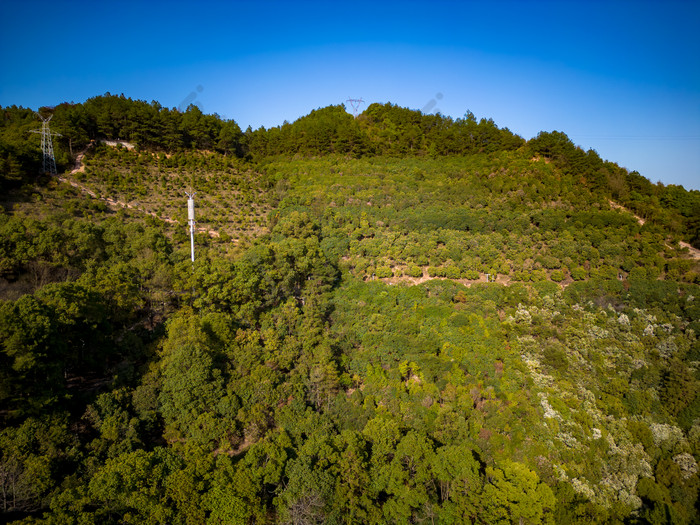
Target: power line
(635,137)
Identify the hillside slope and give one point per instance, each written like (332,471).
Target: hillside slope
(338,354)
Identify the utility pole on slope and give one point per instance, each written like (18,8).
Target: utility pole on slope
(190,219)
(47,144)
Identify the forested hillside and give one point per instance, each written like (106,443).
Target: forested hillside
(399,318)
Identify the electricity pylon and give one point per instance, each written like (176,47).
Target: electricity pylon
(47,145)
(355,104)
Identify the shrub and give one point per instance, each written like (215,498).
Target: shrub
(521,275)
(384,272)
(539,275)
(578,274)
(436,271)
(452,272)
(557,276)
(472,275)
(414,271)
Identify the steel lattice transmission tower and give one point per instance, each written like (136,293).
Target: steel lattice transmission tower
(47,145)
(355,104)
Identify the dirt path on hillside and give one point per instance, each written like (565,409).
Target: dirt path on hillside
(617,206)
(503,280)
(693,252)
(115,143)
(500,279)
(79,167)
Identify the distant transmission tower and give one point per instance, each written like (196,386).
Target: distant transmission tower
(355,104)
(47,145)
(190,219)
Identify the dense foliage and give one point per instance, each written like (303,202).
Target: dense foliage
(381,130)
(398,318)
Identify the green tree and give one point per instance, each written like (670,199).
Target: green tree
(514,494)
(132,486)
(193,399)
(456,471)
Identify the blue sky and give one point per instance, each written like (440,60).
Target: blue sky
(620,77)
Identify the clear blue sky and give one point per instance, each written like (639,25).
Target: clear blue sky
(622,78)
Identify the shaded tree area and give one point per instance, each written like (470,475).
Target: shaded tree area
(20,150)
(400,131)
(382,129)
(149,125)
(323,131)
